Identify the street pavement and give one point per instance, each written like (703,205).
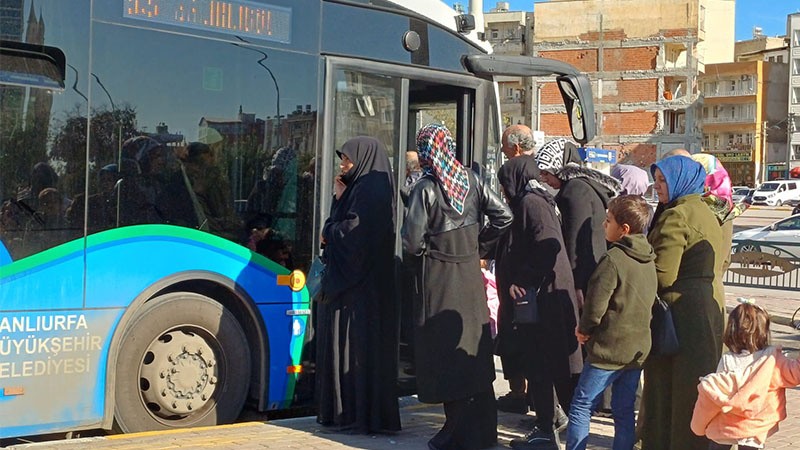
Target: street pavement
(421,421)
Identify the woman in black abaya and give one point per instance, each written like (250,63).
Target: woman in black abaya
(357,340)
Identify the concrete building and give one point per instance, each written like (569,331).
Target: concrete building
(643,57)
(772,91)
(740,102)
(793,112)
(762,48)
(508,33)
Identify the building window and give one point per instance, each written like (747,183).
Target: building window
(495,33)
(780,58)
(706,141)
(795,38)
(702,18)
(796,95)
(795,151)
(795,66)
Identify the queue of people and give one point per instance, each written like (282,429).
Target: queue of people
(576,274)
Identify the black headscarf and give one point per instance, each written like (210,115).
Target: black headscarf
(360,226)
(515,175)
(368,155)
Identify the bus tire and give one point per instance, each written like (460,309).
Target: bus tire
(183,362)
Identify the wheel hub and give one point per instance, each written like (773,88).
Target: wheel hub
(179,374)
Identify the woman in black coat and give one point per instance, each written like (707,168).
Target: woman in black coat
(583,196)
(537,260)
(357,342)
(453,341)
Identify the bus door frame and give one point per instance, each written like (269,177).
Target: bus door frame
(470,139)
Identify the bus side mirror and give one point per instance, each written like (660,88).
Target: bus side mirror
(577,94)
(465,23)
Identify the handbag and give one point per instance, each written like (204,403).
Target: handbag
(526,307)
(314,279)
(662,330)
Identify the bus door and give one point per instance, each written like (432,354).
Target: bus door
(391,103)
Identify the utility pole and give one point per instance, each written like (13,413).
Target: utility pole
(761,164)
(789,132)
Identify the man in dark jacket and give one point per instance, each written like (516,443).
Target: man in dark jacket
(509,344)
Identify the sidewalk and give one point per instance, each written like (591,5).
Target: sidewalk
(781,305)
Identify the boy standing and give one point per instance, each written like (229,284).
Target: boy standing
(615,324)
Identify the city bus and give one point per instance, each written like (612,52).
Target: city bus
(165,169)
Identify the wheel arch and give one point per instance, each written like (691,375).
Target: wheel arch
(219,288)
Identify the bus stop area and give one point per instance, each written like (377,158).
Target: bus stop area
(422,421)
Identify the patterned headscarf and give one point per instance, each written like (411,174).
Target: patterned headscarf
(437,157)
(556,154)
(718,182)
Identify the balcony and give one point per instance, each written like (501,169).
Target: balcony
(736,119)
(730,93)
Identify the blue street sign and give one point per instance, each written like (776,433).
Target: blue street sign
(599,155)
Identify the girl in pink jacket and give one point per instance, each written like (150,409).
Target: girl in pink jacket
(745,399)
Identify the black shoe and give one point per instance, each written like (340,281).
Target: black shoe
(562,421)
(537,439)
(512,403)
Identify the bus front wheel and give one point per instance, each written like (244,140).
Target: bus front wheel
(183,362)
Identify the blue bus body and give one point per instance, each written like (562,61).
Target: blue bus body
(56,340)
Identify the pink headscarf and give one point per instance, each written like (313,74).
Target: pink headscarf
(718,183)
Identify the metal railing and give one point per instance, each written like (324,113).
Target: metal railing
(730,92)
(737,119)
(764,264)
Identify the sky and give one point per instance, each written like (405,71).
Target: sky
(770,15)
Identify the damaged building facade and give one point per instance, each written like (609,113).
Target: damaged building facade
(644,58)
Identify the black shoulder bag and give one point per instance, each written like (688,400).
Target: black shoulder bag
(662,330)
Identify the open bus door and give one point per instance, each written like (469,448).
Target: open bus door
(391,103)
(574,86)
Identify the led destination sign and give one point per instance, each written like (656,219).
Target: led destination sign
(240,18)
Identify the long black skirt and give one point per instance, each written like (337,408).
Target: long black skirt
(356,369)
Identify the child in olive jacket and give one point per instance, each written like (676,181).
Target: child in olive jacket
(615,323)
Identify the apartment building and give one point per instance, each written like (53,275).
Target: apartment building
(737,117)
(509,34)
(762,48)
(793,110)
(644,58)
(769,98)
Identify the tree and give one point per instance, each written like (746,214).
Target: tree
(108,130)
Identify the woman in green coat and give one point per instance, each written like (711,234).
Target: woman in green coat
(688,243)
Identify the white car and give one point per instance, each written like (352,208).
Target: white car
(740,193)
(770,239)
(776,193)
